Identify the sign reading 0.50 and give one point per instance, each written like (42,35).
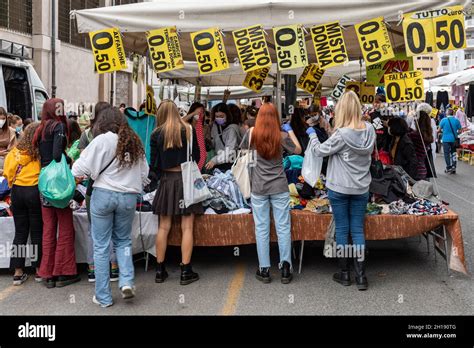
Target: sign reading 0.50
(404,86)
(109,54)
(374,41)
(434,31)
(165,51)
(209,49)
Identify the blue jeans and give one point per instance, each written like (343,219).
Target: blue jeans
(112,216)
(450,158)
(349,216)
(280,204)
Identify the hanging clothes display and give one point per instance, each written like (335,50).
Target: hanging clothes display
(429,98)
(457,92)
(442,98)
(143,125)
(470,102)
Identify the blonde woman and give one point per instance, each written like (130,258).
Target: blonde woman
(348,179)
(168,145)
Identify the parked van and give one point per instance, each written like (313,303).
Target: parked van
(21,91)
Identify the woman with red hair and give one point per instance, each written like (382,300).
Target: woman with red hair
(58,263)
(270,188)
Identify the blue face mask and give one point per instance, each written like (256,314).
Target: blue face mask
(19,129)
(220,121)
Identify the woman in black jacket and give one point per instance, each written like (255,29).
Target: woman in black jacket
(402,149)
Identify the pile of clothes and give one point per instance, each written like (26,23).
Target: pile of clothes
(305,197)
(5,201)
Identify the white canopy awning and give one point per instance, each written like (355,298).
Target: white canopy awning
(458,78)
(189,16)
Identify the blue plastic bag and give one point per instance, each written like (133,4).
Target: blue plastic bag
(56,183)
(4,189)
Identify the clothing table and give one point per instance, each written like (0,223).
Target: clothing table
(233,230)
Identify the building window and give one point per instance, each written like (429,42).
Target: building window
(17,15)
(445,62)
(67,31)
(468,56)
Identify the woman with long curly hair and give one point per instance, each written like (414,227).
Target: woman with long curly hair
(116,161)
(22,168)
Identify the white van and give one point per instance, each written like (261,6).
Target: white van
(21,91)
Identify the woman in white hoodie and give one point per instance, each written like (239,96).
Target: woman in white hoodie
(116,161)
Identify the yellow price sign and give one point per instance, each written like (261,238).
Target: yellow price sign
(209,49)
(374,41)
(434,112)
(329,45)
(255,79)
(434,31)
(317,95)
(290,47)
(365,91)
(109,54)
(165,51)
(150,102)
(404,86)
(252,48)
(310,78)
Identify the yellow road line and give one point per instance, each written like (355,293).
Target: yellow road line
(233,293)
(8,291)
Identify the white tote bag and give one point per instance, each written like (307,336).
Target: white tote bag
(240,169)
(194,187)
(312,165)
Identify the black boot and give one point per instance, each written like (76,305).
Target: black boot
(344,275)
(67,280)
(263,274)
(286,275)
(161,273)
(187,274)
(360,277)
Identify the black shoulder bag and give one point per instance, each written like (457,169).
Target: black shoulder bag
(90,184)
(457,142)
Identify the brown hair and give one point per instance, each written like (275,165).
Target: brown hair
(424,127)
(25,144)
(3,112)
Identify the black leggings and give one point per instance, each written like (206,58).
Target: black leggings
(26,209)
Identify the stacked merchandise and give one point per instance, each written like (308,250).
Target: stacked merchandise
(4,198)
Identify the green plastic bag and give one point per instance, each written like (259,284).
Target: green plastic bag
(56,183)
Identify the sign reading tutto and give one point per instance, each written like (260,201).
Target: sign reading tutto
(374,41)
(209,49)
(310,78)
(165,51)
(109,54)
(329,44)
(404,86)
(255,79)
(290,47)
(252,48)
(434,31)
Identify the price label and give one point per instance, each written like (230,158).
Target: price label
(340,87)
(404,86)
(434,31)
(434,112)
(209,49)
(165,51)
(252,48)
(109,54)
(310,78)
(399,63)
(255,79)
(365,91)
(329,44)
(374,41)
(150,103)
(290,47)
(317,95)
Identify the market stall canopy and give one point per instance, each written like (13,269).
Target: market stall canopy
(458,78)
(189,16)
(234,76)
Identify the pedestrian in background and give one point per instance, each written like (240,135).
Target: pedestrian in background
(450,127)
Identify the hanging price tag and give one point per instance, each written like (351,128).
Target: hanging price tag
(404,86)
(434,31)
(434,112)
(290,47)
(365,91)
(374,41)
(340,87)
(255,79)
(165,51)
(252,48)
(109,54)
(329,44)
(150,102)
(209,49)
(317,95)
(310,78)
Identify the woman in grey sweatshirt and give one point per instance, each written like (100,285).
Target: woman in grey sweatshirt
(348,179)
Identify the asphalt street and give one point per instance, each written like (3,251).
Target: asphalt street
(404,280)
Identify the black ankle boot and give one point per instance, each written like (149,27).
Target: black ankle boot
(344,275)
(360,277)
(161,273)
(286,275)
(263,274)
(187,274)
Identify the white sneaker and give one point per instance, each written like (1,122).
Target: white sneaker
(128,292)
(94,299)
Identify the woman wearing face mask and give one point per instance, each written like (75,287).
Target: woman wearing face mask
(195,117)
(225,134)
(7,138)
(16,123)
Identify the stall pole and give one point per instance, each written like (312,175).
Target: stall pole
(278,92)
